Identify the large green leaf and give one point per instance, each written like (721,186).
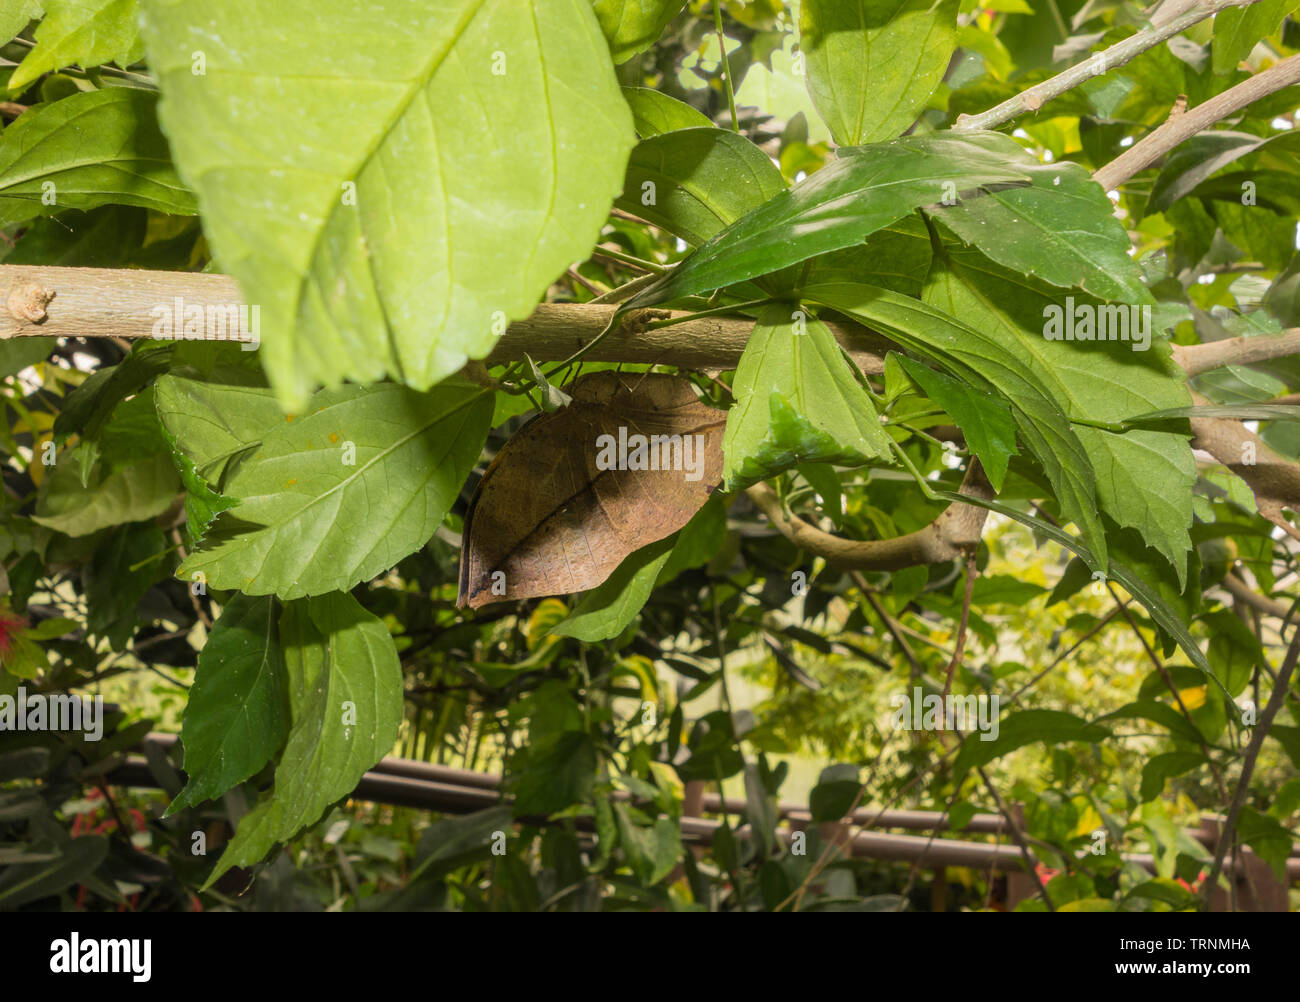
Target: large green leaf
(345,705)
(237,715)
(130,493)
(1050,727)
(85,33)
(1061,228)
(896,257)
(632,26)
(872,64)
(213,422)
(393,187)
(98,148)
(695,182)
(1237,30)
(863,190)
(342,493)
(796,402)
(971,354)
(15,17)
(1143,479)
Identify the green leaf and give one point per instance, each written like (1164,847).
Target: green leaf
(1142,479)
(863,190)
(118,575)
(1237,30)
(1164,889)
(1051,727)
(371,185)
(1268,837)
(134,493)
(1179,593)
(1289,739)
(452,842)
(78,858)
(605,611)
(632,26)
(26,659)
(1003,589)
(106,237)
(984,420)
(1195,160)
(342,493)
(1161,768)
(698,541)
(695,182)
(654,113)
(1158,713)
(1061,228)
(895,257)
(345,705)
(1075,576)
(651,851)
(237,715)
(825,481)
(211,422)
(17,16)
(837,787)
(1234,651)
(796,402)
(1240,412)
(971,354)
(561,772)
(202,503)
(48,629)
(98,148)
(88,408)
(714,754)
(1283,297)
(18,353)
(873,64)
(85,33)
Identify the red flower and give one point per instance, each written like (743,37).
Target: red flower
(10,626)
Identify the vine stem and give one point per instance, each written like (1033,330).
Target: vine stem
(722,62)
(1117,55)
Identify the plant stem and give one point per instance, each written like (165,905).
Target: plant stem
(715,311)
(722,62)
(628,259)
(1100,62)
(1179,128)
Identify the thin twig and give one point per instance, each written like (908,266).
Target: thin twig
(1180,128)
(1018,836)
(1101,62)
